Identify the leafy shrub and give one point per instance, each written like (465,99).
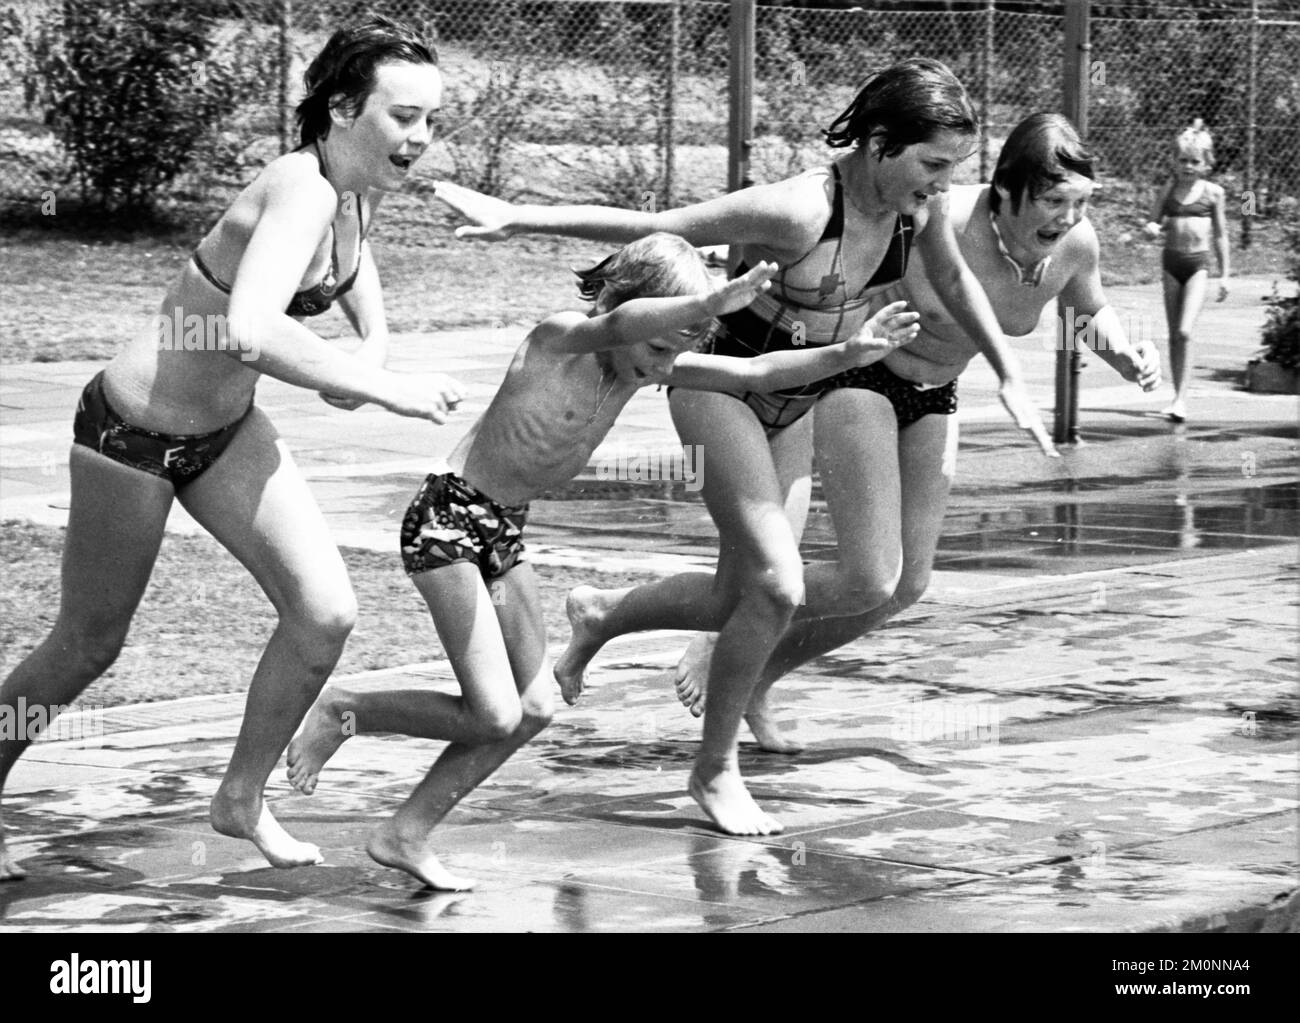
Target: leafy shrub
(1282,328)
(129,88)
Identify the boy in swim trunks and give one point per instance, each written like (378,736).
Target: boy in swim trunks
(462,537)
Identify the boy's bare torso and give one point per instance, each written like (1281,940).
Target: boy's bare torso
(536,433)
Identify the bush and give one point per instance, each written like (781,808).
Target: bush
(129,89)
(1282,328)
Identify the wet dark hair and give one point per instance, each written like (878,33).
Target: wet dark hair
(346,67)
(907,103)
(660,265)
(1038,153)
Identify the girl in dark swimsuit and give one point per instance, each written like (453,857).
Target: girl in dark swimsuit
(906,131)
(165,422)
(1191,215)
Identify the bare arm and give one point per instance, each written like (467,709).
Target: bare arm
(1221,242)
(363,305)
(772,371)
(1156,223)
(784,218)
(295,215)
(1097,324)
(641,319)
(960,291)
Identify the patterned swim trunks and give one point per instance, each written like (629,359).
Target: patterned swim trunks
(911,401)
(178,458)
(450,522)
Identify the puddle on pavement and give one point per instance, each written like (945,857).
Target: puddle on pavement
(1101,507)
(1145,524)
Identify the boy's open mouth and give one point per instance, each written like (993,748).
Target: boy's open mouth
(402,162)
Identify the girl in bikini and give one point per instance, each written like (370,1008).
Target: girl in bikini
(905,133)
(1191,212)
(165,422)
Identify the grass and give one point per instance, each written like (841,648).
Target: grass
(203,622)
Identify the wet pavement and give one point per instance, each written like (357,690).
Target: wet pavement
(1089,723)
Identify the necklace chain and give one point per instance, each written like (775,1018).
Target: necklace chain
(600,402)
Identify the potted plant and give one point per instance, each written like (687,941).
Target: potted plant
(1277,369)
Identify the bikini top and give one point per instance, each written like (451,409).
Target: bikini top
(785,305)
(1202,207)
(319,297)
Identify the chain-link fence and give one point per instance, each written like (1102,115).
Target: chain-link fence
(624,102)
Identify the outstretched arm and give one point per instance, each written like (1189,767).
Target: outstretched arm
(961,293)
(781,218)
(1098,325)
(642,319)
(887,330)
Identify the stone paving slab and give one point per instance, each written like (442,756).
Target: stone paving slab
(941,790)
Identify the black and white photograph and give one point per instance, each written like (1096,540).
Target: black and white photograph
(650,467)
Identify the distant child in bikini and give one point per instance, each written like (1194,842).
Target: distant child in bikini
(1189,213)
(462,536)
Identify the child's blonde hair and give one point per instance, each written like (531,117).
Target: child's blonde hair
(1197,141)
(659,265)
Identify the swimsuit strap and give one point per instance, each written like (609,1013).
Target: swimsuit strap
(835,226)
(208,275)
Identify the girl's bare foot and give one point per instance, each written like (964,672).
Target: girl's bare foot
(239,818)
(9,869)
(690,677)
(586,607)
(387,848)
(763,724)
(323,732)
(723,796)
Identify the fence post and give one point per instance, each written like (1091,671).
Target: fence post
(283,60)
(741,67)
(987,98)
(1076,68)
(1252,93)
(670,101)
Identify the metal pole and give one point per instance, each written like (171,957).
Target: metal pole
(670,101)
(283,58)
(987,98)
(1077,66)
(1252,93)
(741,64)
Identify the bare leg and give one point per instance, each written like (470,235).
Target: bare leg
(856,437)
(689,600)
(115,527)
(792,454)
(472,636)
(743,495)
(501,664)
(927,452)
(256,503)
(1182,307)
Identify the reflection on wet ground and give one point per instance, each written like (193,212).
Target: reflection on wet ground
(1048,537)
(1038,758)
